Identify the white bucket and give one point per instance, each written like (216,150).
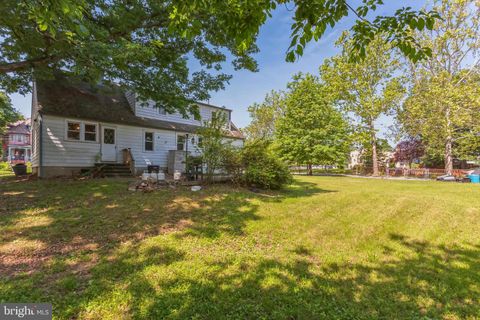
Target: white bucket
(177,175)
(157,176)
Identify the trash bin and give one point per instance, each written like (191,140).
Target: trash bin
(474,178)
(153,169)
(20,169)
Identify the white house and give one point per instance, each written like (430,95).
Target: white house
(76,125)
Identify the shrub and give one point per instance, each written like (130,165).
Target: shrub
(213,144)
(4,166)
(232,163)
(262,168)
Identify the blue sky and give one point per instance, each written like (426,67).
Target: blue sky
(247,87)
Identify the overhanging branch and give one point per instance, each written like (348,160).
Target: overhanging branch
(23,65)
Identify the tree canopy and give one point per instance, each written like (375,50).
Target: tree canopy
(444,96)
(265,115)
(7,113)
(311,130)
(365,89)
(409,150)
(144,45)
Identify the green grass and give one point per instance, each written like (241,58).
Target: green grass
(325,248)
(5,170)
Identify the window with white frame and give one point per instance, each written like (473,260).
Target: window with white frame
(161,110)
(81,131)
(148,141)
(181,142)
(73,130)
(90,132)
(17,138)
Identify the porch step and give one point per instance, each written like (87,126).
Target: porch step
(115,169)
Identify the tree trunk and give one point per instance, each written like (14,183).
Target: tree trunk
(309,169)
(448,145)
(374,153)
(448,156)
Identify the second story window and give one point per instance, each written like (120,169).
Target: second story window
(17,138)
(161,110)
(148,141)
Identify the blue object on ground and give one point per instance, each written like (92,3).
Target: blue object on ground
(475,178)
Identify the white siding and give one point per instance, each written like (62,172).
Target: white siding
(35,143)
(132,137)
(238,143)
(58,151)
(149,111)
(35,122)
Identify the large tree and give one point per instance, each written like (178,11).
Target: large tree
(365,89)
(444,97)
(311,131)
(7,113)
(144,44)
(264,116)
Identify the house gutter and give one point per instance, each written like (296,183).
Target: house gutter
(40,154)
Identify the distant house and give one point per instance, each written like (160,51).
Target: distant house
(77,125)
(16,142)
(357,158)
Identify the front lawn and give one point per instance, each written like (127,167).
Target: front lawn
(5,170)
(326,248)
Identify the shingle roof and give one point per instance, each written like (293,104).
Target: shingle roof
(21,126)
(75,99)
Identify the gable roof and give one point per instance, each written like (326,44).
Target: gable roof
(71,98)
(20,126)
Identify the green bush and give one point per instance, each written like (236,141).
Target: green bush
(4,165)
(232,163)
(262,168)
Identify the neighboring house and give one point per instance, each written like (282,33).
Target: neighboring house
(355,159)
(16,144)
(76,125)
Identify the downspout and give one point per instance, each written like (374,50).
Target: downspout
(40,147)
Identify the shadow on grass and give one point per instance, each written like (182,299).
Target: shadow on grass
(79,245)
(56,219)
(425,281)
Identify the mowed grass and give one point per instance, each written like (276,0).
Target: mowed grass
(5,170)
(325,248)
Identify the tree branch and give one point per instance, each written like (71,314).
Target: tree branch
(22,65)
(356,13)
